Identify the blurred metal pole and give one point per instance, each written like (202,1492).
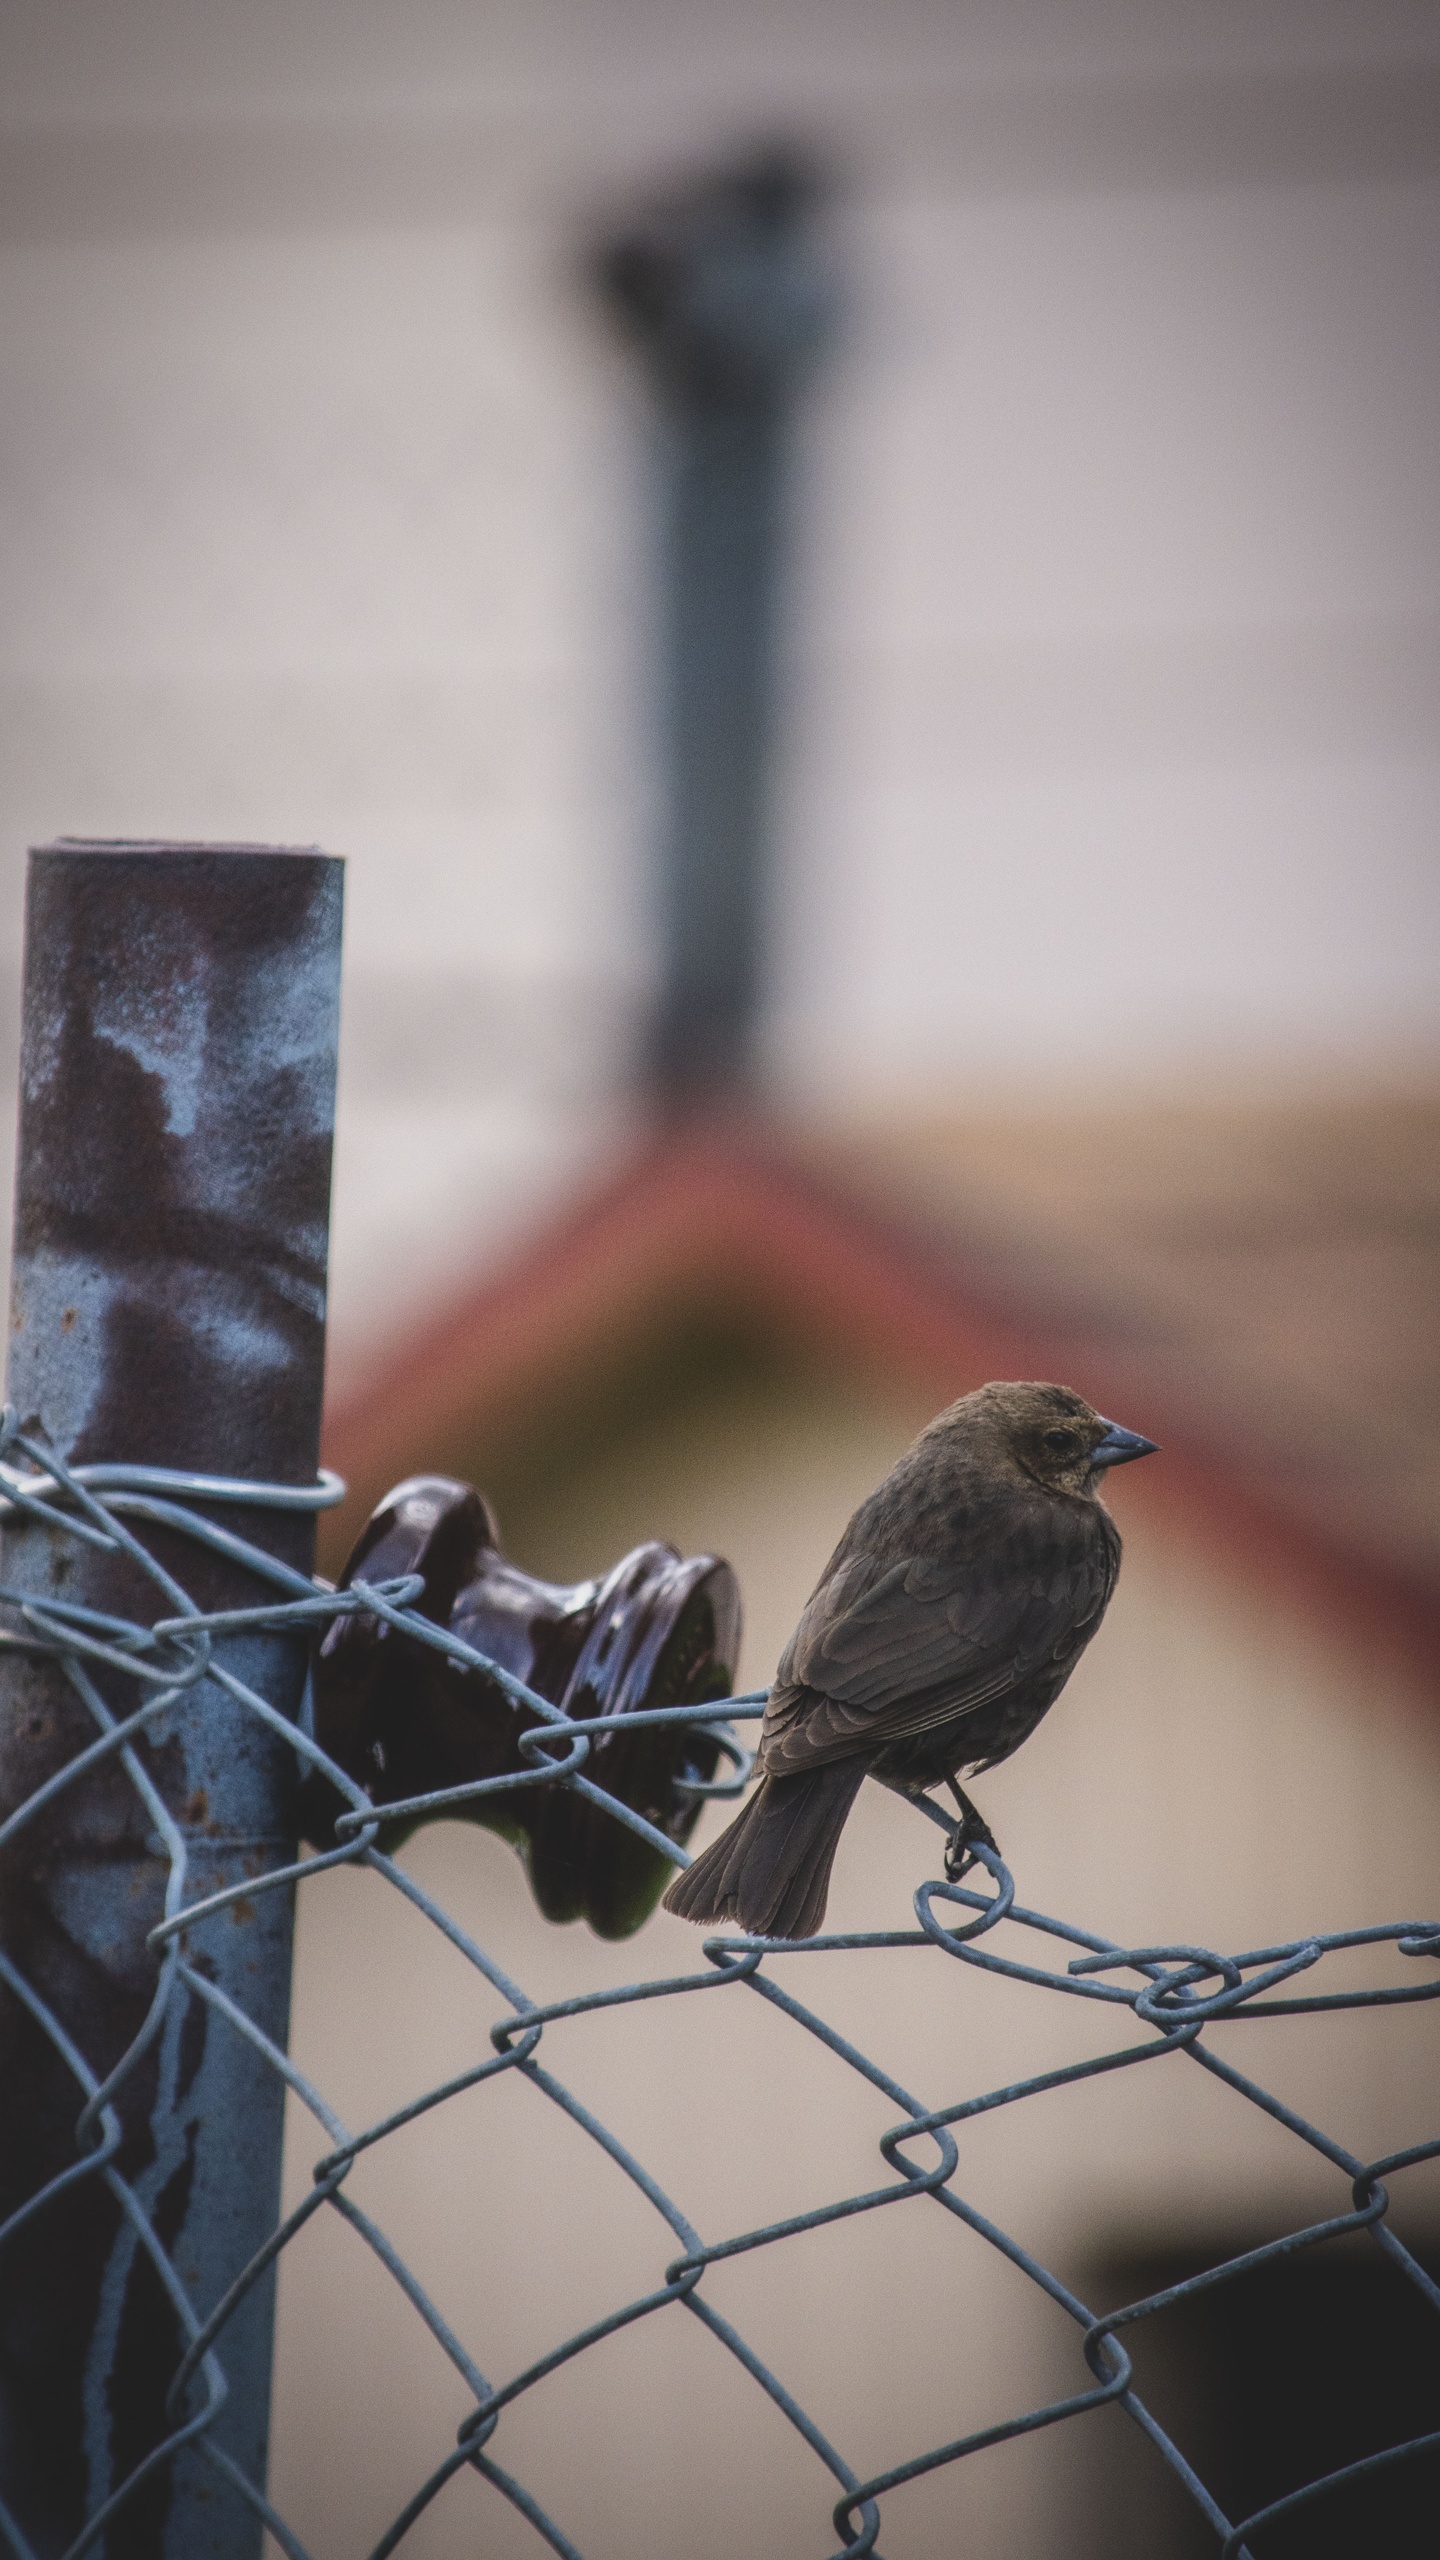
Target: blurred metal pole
(168,1307)
(724,293)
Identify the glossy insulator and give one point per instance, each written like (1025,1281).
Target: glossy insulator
(658,1630)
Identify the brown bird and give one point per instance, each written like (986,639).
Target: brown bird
(950,1616)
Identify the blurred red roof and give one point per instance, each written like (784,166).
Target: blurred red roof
(1254,1286)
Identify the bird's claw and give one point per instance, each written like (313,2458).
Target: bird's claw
(970,1831)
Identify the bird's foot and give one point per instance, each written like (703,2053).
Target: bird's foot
(971,1830)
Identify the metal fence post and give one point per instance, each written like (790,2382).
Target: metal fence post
(171,1228)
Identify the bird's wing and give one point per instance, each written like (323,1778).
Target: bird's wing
(885,1651)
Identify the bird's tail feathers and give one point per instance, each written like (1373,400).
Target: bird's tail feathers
(771,1870)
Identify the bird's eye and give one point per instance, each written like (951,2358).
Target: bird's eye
(1064,1443)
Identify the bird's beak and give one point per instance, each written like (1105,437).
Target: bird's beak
(1119,1446)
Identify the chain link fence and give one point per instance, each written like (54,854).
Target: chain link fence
(133,1680)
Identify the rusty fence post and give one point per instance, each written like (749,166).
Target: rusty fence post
(168,1308)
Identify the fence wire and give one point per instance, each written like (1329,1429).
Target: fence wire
(1174,1996)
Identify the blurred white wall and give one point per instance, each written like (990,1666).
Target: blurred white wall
(1112,740)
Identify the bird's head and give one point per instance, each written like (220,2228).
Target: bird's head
(1051,1434)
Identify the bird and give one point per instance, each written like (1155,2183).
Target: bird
(949,1618)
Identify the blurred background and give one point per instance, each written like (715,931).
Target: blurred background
(861,591)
